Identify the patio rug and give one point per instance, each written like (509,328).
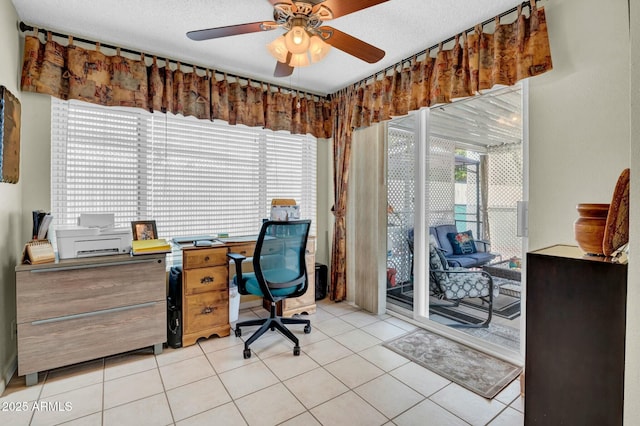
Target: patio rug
(470,368)
(504,306)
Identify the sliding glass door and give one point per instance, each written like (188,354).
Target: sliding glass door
(461,165)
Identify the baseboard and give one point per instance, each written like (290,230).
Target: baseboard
(250,304)
(6,378)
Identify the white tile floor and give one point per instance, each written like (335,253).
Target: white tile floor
(344,376)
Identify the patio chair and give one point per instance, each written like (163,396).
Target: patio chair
(478,254)
(453,284)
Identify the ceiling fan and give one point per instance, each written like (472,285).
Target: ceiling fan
(306,35)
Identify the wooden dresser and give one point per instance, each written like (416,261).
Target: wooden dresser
(576,319)
(205,293)
(76,310)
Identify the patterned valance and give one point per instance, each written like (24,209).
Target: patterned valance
(477,62)
(72,72)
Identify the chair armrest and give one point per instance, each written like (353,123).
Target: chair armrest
(238,259)
(483,246)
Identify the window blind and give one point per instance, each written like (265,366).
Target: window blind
(193,177)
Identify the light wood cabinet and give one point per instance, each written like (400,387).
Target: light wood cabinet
(76,310)
(205,293)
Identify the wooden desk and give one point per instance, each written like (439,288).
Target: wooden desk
(76,310)
(205,288)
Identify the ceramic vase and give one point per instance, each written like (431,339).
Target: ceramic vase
(589,227)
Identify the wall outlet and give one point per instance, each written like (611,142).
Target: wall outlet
(14,330)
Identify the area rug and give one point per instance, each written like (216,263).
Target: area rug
(468,367)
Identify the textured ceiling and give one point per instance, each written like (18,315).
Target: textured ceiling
(399,27)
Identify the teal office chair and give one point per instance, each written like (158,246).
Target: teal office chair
(279,272)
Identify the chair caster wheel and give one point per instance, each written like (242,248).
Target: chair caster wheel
(246,353)
(307,329)
(296,350)
(238,332)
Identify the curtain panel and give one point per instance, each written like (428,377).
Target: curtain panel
(476,62)
(72,72)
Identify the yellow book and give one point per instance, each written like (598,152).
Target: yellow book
(159,245)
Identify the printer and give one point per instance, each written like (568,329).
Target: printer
(95,235)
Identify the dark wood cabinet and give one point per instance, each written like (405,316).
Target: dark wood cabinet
(575,338)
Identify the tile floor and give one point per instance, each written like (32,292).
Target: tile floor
(344,376)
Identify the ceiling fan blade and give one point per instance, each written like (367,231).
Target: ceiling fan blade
(341,7)
(283,69)
(351,45)
(232,30)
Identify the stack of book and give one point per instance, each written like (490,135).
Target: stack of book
(159,245)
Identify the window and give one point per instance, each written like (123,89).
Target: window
(193,177)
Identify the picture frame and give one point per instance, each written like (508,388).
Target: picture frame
(9,136)
(144,230)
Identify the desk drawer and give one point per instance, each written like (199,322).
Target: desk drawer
(243,249)
(55,292)
(205,279)
(206,310)
(204,257)
(43,345)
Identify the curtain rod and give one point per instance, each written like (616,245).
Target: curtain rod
(24,28)
(524,4)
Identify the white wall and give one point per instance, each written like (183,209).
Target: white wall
(10,199)
(632,374)
(578,116)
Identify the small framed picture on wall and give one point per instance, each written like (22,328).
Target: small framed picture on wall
(144,230)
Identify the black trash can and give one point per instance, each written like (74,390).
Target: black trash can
(321,281)
(174,308)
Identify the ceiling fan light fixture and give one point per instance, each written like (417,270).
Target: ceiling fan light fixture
(297,40)
(278,49)
(318,48)
(299,60)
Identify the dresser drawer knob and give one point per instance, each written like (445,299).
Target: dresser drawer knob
(206,259)
(206,280)
(207,310)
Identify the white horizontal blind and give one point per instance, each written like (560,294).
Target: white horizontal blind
(96,166)
(193,177)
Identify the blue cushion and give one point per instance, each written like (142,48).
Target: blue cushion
(462,242)
(441,232)
(279,275)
